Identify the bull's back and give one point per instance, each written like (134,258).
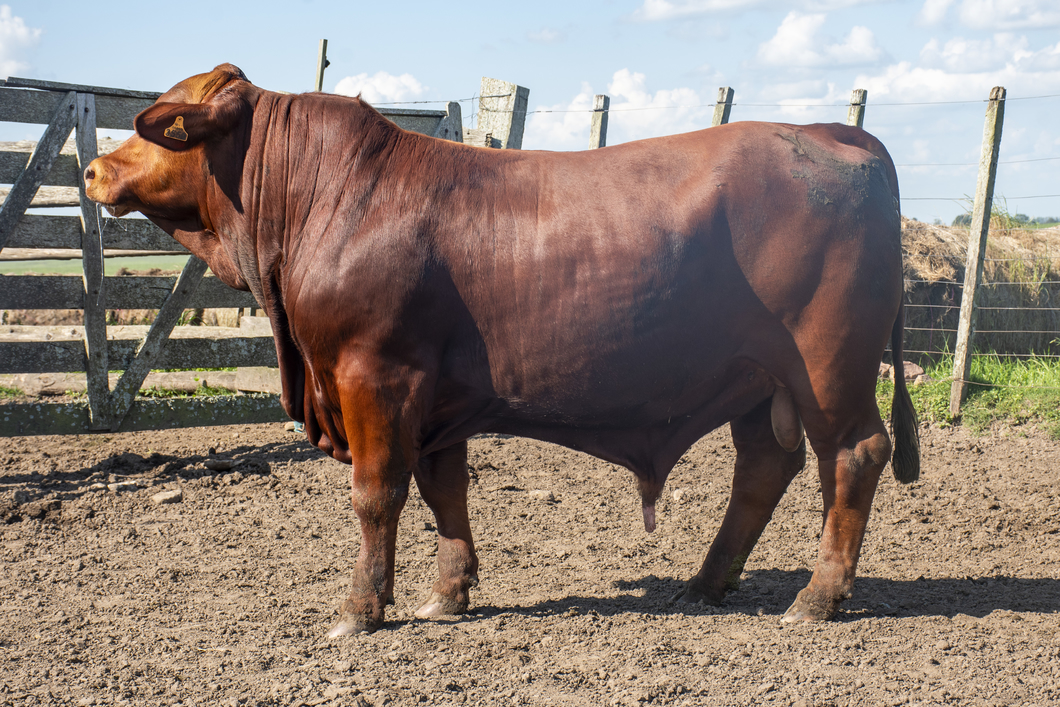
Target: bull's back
(630,278)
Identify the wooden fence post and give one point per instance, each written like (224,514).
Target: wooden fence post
(502,112)
(97,366)
(598,131)
(980,228)
(856,112)
(322,63)
(723,107)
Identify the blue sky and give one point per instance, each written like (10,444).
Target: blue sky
(928,65)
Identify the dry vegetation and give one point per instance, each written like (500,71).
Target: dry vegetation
(1022,270)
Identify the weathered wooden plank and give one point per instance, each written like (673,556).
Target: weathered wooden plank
(40,164)
(28,419)
(598,126)
(64,292)
(19,105)
(65,232)
(16,254)
(19,82)
(125,391)
(977,235)
(38,384)
(68,356)
(258,379)
(480,138)
(48,197)
(62,172)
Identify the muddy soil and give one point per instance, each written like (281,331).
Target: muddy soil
(224,597)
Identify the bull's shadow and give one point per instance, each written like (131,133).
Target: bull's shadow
(770,593)
(159,468)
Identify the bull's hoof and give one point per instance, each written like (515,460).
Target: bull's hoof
(692,595)
(810,607)
(440,605)
(350,625)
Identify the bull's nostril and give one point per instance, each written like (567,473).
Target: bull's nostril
(90,174)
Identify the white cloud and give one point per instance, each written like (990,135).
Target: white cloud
(635,112)
(381,87)
(933,11)
(655,10)
(547,35)
(994,14)
(967,55)
(797,44)
(905,83)
(15,39)
(1010,14)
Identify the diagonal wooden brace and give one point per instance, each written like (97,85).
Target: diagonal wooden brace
(129,385)
(39,165)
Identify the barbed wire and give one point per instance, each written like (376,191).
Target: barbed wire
(953,198)
(767,105)
(973,164)
(457,100)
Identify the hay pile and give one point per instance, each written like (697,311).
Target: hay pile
(1019,288)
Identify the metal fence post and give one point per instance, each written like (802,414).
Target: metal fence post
(980,228)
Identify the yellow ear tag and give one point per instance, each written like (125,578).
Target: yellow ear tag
(176,130)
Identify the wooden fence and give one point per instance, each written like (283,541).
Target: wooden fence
(48,174)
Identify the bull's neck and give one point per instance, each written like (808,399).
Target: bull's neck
(311,157)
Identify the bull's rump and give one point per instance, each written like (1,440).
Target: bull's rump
(627,283)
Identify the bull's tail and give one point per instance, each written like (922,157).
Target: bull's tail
(906,459)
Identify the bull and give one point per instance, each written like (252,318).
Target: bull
(622,302)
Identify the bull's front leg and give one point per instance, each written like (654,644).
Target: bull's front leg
(442,479)
(382,468)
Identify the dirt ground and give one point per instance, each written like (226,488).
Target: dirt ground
(224,597)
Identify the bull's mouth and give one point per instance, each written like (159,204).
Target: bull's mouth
(117,211)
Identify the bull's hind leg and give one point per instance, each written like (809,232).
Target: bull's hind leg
(849,471)
(763,471)
(443,480)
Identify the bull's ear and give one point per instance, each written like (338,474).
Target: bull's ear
(180,126)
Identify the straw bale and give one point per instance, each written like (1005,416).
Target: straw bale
(1018,290)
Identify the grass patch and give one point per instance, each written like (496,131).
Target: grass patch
(6,392)
(1006,390)
(201,391)
(111,266)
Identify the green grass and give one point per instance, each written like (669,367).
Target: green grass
(201,391)
(111,266)
(6,392)
(1010,391)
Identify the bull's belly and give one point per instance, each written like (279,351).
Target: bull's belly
(644,425)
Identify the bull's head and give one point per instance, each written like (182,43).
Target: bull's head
(183,166)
